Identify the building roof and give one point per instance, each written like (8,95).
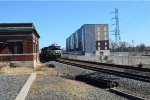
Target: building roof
(18,27)
(93,24)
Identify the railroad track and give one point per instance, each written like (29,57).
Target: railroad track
(121,71)
(126,95)
(98,82)
(112,65)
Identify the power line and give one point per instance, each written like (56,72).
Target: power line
(131,12)
(139,24)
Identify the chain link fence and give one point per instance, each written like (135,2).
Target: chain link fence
(114,59)
(130,60)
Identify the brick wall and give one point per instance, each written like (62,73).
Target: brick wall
(102,44)
(30,46)
(16,58)
(27,43)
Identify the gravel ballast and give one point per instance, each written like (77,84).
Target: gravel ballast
(131,86)
(10,85)
(70,70)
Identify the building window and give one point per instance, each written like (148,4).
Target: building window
(105,48)
(98,38)
(105,33)
(98,34)
(99,48)
(105,43)
(105,28)
(98,28)
(105,38)
(98,43)
(11,47)
(19,47)
(15,47)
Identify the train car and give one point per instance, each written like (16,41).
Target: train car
(43,54)
(51,52)
(54,52)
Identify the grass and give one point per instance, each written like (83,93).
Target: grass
(41,68)
(45,69)
(71,89)
(17,70)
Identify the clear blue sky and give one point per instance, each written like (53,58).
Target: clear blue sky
(56,20)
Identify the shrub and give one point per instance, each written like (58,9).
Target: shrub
(140,65)
(110,61)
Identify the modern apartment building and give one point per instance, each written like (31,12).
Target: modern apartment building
(90,39)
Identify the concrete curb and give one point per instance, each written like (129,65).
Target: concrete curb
(24,91)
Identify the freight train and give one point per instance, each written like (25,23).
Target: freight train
(52,52)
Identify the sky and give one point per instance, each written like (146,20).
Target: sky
(57,20)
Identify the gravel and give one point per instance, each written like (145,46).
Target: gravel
(48,87)
(132,86)
(10,85)
(55,88)
(70,70)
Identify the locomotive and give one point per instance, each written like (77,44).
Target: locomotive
(52,52)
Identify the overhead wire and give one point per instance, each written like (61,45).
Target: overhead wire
(132,11)
(139,20)
(133,19)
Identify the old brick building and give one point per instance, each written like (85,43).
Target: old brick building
(19,44)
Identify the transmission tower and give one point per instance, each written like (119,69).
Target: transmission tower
(116,30)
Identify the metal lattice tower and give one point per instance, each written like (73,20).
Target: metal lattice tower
(116,30)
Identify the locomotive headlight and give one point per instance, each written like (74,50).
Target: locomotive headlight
(56,52)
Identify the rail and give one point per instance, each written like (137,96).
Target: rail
(91,66)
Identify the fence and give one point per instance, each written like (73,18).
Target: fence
(130,60)
(120,60)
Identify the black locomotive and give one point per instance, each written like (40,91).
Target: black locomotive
(53,52)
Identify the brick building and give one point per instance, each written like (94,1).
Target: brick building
(90,39)
(19,44)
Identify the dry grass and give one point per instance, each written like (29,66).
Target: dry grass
(17,70)
(110,61)
(77,89)
(71,89)
(46,70)
(41,68)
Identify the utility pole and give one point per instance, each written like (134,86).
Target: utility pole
(116,30)
(133,45)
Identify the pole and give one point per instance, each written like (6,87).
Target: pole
(116,30)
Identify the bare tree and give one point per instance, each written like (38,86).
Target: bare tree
(141,47)
(113,45)
(124,46)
